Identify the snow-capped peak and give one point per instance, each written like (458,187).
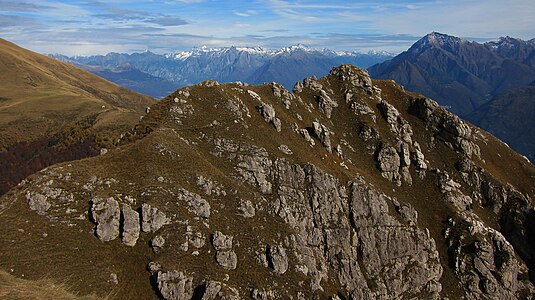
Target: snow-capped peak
(205,50)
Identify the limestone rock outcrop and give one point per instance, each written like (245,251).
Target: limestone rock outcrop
(37,202)
(131,225)
(268,113)
(323,134)
(174,285)
(372,192)
(152,218)
(106,214)
(277,258)
(225,256)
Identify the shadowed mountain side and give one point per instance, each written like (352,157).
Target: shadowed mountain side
(509,116)
(459,74)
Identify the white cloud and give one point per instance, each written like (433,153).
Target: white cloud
(336,24)
(247,13)
(491,18)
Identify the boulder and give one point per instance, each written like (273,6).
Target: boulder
(196,203)
(285,149)
(268,113)
(227,259)
(106,215)
(175,285)
(225,256)
(246,209)
(38,202)
(323,134)
(221,241)
(312,83)
(277,258)
(131,225)
(152,218)
(389,162)
(157,243)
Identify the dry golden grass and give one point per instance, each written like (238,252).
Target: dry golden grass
(12,287)
(42,98)
(40,95)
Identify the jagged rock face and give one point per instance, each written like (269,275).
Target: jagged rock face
(383,195)
(363,227)
(447,127)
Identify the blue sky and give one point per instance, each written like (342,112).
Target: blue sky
(93,27)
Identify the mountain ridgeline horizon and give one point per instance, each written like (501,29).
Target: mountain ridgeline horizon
(158,75)
(469,78)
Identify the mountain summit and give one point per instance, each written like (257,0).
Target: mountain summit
(459,74)
(345,188)
(435,39)
(472,80)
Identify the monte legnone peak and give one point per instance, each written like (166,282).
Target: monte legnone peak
(345,188)
(472,80)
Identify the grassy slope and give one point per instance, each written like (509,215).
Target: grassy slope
(12,287)
(51,112)
(40,96)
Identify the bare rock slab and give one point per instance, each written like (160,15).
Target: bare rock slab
(106,215)
(131,226)
(152,218)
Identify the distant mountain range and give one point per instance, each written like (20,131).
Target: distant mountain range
(158,75)
(487,84)
(478,81)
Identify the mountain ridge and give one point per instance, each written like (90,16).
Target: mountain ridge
(346,187)
(467,77)
(445,60)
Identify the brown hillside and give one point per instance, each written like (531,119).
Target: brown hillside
(347,188)
(45,102)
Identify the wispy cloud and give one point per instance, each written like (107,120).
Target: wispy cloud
(20,6)
(9,21)
(246,13)
(168,21)
(113,9)
(190,1)
(491,18)
(78,27)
